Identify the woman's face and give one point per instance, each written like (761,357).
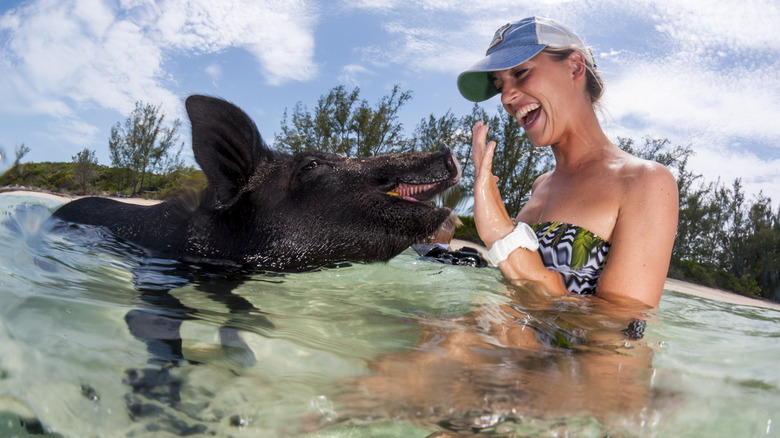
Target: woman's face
(536,93)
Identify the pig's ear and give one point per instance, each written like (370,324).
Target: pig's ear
(226,144)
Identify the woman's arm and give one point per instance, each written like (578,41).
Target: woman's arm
(493,222)
(490,215)
(643,237)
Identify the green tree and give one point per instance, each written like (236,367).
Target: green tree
(21,151)
(762,247)
(433,131)
(84,163)
(332,120)
(733,233)
(378,131)
(298,135)
(343,124)
(142,144)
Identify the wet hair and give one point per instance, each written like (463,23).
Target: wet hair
(594,85)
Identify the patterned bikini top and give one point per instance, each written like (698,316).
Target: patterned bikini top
(574,252)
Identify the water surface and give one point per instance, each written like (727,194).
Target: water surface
(405,349)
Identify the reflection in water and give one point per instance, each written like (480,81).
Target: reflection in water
(507,364)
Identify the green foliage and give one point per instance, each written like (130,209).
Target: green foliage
(49,176)
(182,180)
(84,163)
(708,275)
(21,151)
(341,124)
(59,178)
(142,145)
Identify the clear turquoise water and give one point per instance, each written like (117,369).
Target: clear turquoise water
(364,351)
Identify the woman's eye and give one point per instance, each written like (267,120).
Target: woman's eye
(520,73)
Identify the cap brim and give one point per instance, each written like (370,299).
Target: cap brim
(475,84)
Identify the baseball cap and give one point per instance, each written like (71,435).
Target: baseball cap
(512,45)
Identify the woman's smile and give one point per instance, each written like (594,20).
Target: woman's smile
(528,114)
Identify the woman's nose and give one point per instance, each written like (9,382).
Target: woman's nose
(509,93)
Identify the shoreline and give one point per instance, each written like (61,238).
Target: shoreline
(671,284)
(67,198)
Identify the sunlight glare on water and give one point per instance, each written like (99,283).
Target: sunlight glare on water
(404,349)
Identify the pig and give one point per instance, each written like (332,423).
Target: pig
(262,210)
(268,210)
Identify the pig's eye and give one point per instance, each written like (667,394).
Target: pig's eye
(312,164)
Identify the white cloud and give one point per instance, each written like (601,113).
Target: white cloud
(676,97)
(757,174)
(72,130)
(350,73)
(277,33)
(376,5)
(731,24)
(214,71)
(94,53)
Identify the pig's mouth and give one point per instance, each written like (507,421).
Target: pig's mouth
(417,192)
(422,192)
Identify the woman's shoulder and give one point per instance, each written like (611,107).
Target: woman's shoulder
(648,187)
(641,174)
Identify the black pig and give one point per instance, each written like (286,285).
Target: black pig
(270,210)
(262,210)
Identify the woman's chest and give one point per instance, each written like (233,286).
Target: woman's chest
(589,205)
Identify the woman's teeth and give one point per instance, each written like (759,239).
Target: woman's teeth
(522,112)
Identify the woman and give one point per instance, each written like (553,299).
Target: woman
(604,223)
(605,220)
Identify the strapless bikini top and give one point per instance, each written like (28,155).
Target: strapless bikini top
(574,252)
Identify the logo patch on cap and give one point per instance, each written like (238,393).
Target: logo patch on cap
(499,36)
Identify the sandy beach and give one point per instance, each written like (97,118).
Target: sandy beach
(671,284)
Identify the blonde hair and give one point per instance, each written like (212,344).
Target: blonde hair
(594,85)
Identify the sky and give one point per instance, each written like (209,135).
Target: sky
(699,73)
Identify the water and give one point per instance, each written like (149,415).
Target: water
(404,349)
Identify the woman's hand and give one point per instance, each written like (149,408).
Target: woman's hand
(490,215)
(494,223)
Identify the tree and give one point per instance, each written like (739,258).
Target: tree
(448,130)
(21,151)
(142,144)
(733,233)
(343,124)
(299,135)
(84,163)
(378,131)
(762,247)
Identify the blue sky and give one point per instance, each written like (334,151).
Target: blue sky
(700,73)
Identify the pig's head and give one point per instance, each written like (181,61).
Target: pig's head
(278,211)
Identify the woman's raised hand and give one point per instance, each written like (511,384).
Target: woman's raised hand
(490,215)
